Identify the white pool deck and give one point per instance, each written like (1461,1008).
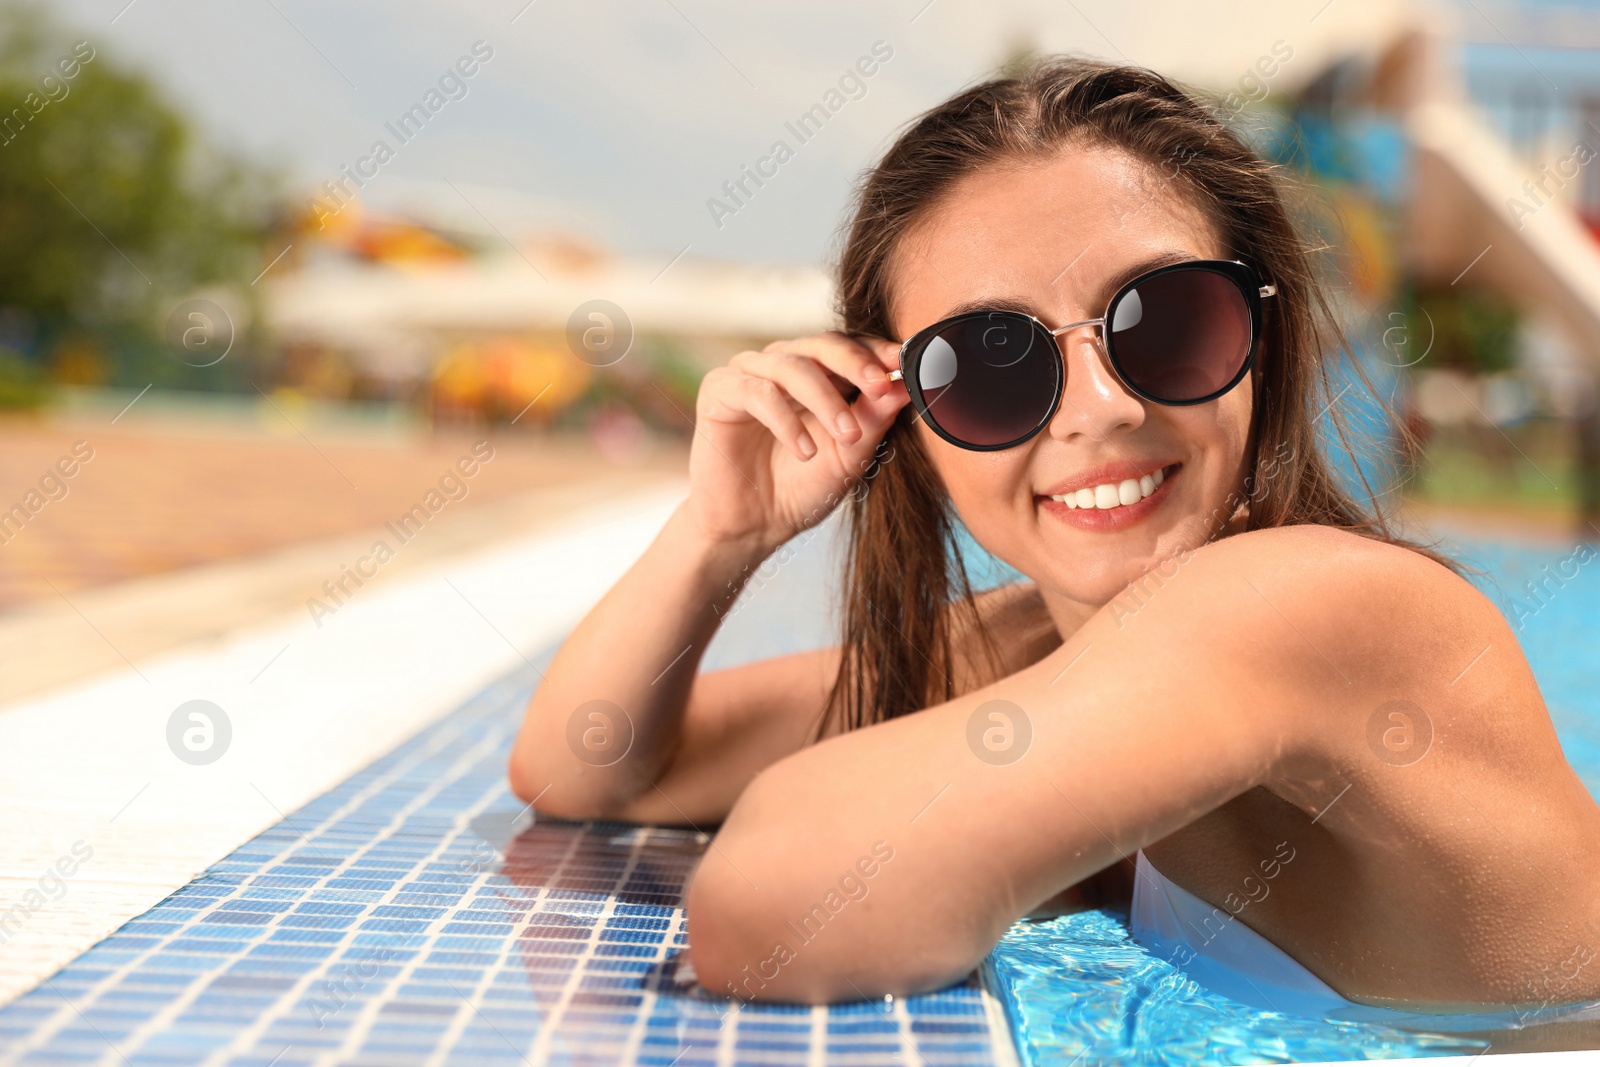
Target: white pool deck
(88,766)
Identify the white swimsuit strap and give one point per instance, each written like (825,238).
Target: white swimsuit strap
(1225,956)
(1219,950)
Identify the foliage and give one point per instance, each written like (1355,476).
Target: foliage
(1472,331)
(111,209)
(21,383)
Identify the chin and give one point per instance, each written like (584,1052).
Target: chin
(1097,585)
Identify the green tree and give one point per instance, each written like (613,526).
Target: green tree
(111,208)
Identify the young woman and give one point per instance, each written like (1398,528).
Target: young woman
(1322,749)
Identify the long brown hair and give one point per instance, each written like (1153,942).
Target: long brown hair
(907,592)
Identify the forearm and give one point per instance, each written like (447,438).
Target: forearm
(1158,723)
(607,714)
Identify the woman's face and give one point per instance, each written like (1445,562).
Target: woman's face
(1058,238)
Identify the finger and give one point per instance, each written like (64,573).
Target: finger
(807,382)
(888,352)
(853,359)
(877,413)
(720,398)
(886,403)
(766,400)
(729,396)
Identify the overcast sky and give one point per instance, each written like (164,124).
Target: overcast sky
(622,119)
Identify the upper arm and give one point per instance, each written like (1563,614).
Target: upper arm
(1137,725)
(739,721)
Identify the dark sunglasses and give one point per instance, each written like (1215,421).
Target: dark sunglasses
(1181,334)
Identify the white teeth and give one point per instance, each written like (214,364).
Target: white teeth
(1113,494)
(1159,475)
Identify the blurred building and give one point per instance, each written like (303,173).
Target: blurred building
(391,308)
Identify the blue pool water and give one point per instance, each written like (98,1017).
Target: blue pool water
(1078,987)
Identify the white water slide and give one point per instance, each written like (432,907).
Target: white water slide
(1471,199)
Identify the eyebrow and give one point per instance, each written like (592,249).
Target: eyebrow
(1103,295)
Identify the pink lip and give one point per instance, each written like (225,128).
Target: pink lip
(1110,519)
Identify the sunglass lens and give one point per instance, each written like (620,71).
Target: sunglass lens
(990,379)
(1181,335)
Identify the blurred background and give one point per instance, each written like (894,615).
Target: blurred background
(271,268)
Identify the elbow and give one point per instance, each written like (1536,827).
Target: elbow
(738,943)
(536,786)
(522,778)
(713,945)
(734,950)
(769,919)
(741,947)
(559,796)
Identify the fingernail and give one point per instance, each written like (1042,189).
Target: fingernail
(808,447)
(846,422)
(874,373)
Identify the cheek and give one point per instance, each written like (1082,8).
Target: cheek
(1239,416)
(1223,428)
(981,485)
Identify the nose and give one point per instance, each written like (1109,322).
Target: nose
(1093,400)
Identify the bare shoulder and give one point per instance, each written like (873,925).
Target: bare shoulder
(1342,567)
(1360,606)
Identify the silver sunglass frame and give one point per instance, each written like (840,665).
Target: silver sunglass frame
(1241,274)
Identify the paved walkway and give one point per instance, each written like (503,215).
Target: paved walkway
(160,496)
(181,530)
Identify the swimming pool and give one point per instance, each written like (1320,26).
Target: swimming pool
(412,916)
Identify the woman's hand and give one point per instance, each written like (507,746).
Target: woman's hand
(775,437)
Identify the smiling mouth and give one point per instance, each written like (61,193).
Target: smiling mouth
(1112,495)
